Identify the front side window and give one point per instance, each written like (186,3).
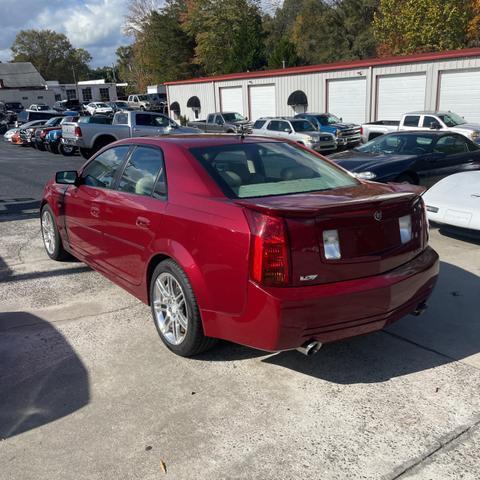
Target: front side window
(233,117)
(452,144)
(302,126)
(429,122)
(274,125)
(210,118)
(101,171)
(144,173)
(411,121)
(145,120)
(161,121)
(269,168)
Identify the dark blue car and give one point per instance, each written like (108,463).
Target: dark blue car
(420,157)
(347,134)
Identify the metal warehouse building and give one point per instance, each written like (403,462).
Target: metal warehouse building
(357,91)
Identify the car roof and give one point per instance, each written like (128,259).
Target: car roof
(427,112)
(198,140)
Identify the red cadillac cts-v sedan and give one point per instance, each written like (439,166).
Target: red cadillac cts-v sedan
(257,241)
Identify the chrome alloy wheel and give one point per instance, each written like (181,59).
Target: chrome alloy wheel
(48,232)
(171,311)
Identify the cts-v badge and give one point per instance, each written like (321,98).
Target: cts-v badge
(307,278)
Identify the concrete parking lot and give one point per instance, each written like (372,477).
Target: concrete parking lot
(88,391)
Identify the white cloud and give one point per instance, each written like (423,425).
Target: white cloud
(95,25)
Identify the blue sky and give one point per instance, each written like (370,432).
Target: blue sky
(95,25)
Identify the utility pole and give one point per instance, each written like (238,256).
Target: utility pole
(283,63)
(113,73)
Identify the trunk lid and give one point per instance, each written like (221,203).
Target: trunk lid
(366,218)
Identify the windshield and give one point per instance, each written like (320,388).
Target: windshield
(398,144)
(43,107)
(121,104)
(13,105)
(53,121)
(101,105)
(302,126)
(233,117)
(327,119)
(451,119)
(269,168)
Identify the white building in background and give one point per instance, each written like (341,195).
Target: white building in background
(358,90)
(85,91)
(21,82)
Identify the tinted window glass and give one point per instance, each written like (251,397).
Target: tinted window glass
(452,144)
(401,144)
(145,120)
(259,124)
(302,126)
(282,126)
(210,118)
(101,171)
(411,121)
(160,121)
(427,121)
(267,168)
(274,125)
(142,169)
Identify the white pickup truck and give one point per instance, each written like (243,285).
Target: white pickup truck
(423,121)
(91,137)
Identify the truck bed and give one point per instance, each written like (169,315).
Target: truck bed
(387,123)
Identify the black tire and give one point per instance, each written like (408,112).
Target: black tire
(86,153)
(67,150)
(41,147)
(195,341)
(406,178)
(142,108)
(54,148)
(100,143)
(57,252)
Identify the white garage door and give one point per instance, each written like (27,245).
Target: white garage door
(347,99)
(460,93)
(262,101)
(232,99)
(399,94)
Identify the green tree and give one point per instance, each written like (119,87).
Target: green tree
(228,35)
(336,30)
(283,54)
(52,54)
(412,26)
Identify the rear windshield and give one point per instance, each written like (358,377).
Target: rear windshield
(270,168)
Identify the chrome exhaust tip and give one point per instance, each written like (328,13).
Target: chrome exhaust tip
(309,348)
(420,309)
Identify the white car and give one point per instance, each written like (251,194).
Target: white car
(9,133)
(455,200)
(99,107)
(296,129)
(39,107)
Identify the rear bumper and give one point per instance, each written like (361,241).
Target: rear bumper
(285,318)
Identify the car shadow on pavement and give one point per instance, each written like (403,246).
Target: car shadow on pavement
(447,332)
(42,379)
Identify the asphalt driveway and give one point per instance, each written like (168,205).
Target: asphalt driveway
(88,391)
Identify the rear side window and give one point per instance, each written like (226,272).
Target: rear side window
(259,124)
(210,118)
(144,173)
(121,119)
(101,171)
(411,120)
(263,169)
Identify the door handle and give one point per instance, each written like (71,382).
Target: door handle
(142,222)
(136,129)
(95,212)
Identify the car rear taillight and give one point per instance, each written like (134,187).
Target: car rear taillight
(361,130)
(269,254)
(43,133)
(78,131)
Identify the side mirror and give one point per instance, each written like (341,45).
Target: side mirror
(287,130)
(67,177)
